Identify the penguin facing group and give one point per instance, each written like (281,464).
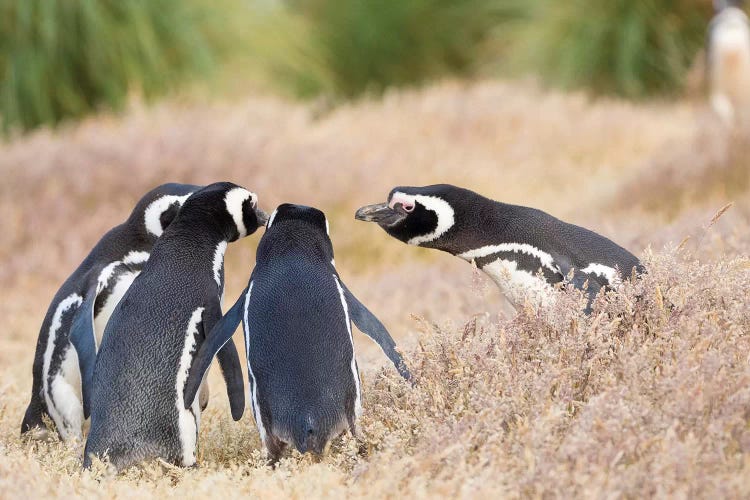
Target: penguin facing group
(304,379)
(129,337)
(524,250)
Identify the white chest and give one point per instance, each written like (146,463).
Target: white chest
(519,286)
(117,290)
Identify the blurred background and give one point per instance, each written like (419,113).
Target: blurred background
(602,113)
(62,60)
(628,117)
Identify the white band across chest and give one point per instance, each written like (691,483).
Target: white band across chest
(545,259)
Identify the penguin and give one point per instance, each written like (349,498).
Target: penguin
(524,250)
(297,313)
(728,61)
(86,300)
(140,370)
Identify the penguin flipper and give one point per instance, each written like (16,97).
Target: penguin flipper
(218,340)
(83,338)
(371,326)
(231,370)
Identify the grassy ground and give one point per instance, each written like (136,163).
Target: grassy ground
(649,395)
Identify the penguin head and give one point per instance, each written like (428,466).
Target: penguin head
(424,216)
(301,219)
(232,209)
(309,215)
(158,208)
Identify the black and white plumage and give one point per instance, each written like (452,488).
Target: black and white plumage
(137,409)
(86,300)
(524,250)
(728,61)
(297,314)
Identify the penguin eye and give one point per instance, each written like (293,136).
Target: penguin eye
(403,207)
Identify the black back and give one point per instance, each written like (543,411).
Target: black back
(480,221)
(134,394)
(130,236)
(299,345)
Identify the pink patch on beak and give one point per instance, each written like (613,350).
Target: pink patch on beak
(405,200)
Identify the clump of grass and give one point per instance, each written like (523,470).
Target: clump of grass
(358,46)
(62,59)
(632,49)
(647,396)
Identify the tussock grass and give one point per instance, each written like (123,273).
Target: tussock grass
(348,48)
(632,49)
(63,60)
(648,395)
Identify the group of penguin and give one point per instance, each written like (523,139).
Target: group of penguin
(130,335)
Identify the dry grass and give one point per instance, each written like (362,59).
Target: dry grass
(648,396)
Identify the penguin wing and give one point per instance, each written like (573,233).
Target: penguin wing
(218,343)
(373,328)
(83,338)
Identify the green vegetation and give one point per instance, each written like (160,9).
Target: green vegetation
(369,45)
(624,47)
(66,58)
(633,49)
(63,58)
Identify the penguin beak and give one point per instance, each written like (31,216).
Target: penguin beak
(381,213)
(261,216)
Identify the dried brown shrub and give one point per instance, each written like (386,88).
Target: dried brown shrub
(714,162)
(649,395)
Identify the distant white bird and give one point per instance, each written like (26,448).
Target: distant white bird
(729,60)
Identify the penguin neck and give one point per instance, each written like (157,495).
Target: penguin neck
(204,224)
(298,238)
(194,236)
(485,224)
(127,238)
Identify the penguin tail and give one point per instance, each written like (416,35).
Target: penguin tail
(308,436)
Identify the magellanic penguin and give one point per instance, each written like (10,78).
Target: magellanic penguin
(728,58)
(86,300)
(524,250)
(297,314)
(137,409)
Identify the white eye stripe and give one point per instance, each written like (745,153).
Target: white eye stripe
(407,201)
(445,217)
(234,200)
(152,214)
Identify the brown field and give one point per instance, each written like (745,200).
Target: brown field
(648,396)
